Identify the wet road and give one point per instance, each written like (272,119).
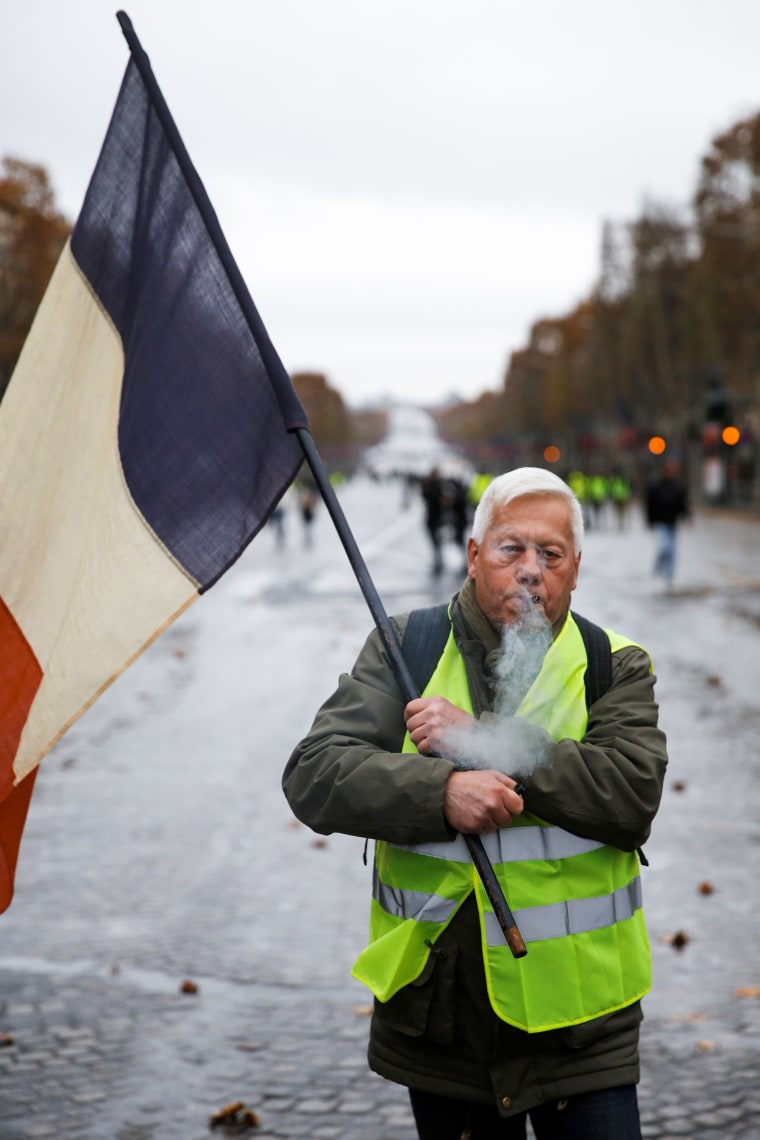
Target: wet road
(159,850)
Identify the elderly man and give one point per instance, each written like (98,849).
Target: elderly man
(504,743)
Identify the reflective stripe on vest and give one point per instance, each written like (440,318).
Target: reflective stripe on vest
(418,905)
(576,901)
(573,916)
(511,845)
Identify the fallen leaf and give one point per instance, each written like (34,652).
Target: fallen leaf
(677,940)
(250,1046)
(705,1046)
(706,888)
(5,1040)
(236,1115)
(319,843)
(188,987)
(362,1010)
(747,991)
(679,786)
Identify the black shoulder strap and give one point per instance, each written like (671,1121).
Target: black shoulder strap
(598,676)
(425,636)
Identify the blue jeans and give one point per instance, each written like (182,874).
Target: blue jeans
(611,1114)
(665,560)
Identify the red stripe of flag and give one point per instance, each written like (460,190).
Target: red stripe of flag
(20,677)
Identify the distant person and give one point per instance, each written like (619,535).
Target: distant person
(278,520)
(483,1039)
(621,493)
(713,479)
(667,502)
(277,523)
(598,490)
(432,496)
(476,489)
(457,515)
(307,505)
(577,481)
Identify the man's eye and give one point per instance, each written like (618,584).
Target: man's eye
(551,555)
(510,548)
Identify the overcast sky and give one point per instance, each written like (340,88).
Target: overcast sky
(406,184)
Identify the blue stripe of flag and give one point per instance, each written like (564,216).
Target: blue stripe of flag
(206,406)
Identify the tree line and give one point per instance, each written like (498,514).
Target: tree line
(667,345)
(33,233)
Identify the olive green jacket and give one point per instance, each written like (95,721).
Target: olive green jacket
(349,775)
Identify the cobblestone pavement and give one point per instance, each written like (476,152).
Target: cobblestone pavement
(177,943)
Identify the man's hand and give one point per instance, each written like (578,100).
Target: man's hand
(428,717)
(478,801)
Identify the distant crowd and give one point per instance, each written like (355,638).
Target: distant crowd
(450,502)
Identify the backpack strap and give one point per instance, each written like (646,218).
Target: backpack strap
(427,631)
(598,676)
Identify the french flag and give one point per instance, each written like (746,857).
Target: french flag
(146,436)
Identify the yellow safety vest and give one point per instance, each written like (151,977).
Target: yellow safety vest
(576,901)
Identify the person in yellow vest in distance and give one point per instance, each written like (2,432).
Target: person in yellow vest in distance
(598,491)
(476,488)
(501,743)
(621,493)
(578,483)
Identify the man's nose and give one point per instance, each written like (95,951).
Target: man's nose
(530,566)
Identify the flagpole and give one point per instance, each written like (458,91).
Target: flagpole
(295,421)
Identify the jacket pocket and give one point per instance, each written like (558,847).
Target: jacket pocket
(425,1008)
(623,1021)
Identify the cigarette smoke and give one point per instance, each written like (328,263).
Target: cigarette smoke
(504,742)
(523,647)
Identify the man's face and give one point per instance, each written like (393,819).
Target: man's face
(527,552)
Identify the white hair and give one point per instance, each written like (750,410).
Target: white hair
(525,481)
